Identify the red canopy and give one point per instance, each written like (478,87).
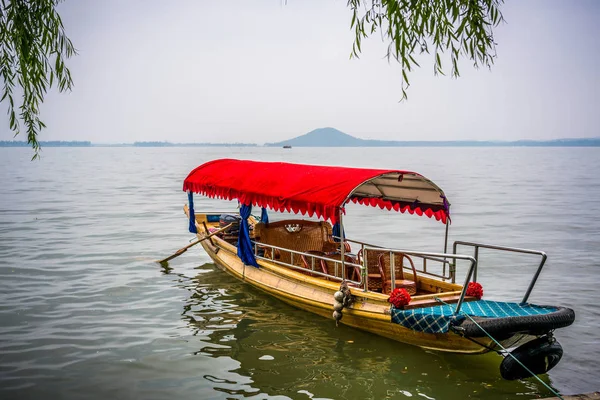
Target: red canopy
(317,190)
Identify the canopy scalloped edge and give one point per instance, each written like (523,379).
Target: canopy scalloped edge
(274,203)
(439,215)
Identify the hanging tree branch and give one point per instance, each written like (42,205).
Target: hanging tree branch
(33,49)
(461,27)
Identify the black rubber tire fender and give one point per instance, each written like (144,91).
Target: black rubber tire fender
(539,356)
(504,327)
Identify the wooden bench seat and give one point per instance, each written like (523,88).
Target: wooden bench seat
(431,302)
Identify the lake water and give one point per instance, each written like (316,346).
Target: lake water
(86,313)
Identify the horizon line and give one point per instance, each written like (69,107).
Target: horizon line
(561,142)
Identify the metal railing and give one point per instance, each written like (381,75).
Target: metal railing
(363,282)
(477,246)
(443,258)
(339,265)
(434,255)
(235,212)
(422,257)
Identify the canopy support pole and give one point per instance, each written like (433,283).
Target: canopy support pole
(342,246)
(446,246)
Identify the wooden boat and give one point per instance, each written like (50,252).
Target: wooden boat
(405,295)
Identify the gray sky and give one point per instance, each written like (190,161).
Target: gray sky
(262,70)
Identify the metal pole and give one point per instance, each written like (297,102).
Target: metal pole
(476,256)
(446,246)
(393,270)
(342,246)
(464,289)
(365,268)
(535,277)
(446,237)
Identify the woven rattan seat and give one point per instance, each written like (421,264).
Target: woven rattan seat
(299,235)
(384,266)
(374,275)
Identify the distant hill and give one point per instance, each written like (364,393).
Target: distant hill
(322,137)
(52,143)
(169,144)
(331,137)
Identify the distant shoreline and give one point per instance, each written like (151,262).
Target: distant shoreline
(50,143)
(593,142)
(331,137)
(16,143)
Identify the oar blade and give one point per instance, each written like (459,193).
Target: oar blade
(172,256)
(184,249)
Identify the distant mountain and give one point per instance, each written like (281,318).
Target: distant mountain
(331,137)
(322,137)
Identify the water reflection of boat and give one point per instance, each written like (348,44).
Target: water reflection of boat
(302,262)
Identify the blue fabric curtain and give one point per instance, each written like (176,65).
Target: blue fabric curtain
(244,246)
(264,217)
(337,232)
(192,226)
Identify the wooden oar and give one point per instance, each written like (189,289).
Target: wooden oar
(184,249)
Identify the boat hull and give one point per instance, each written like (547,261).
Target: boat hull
(369,312)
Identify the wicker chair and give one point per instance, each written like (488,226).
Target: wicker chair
(353,273)
(319,263)
(347,247)
(298,235)
(384,268)
(374,275)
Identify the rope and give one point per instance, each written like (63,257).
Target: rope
(502,347)
(482,345)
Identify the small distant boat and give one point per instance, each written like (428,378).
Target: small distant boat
(407,295)
(287,146)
